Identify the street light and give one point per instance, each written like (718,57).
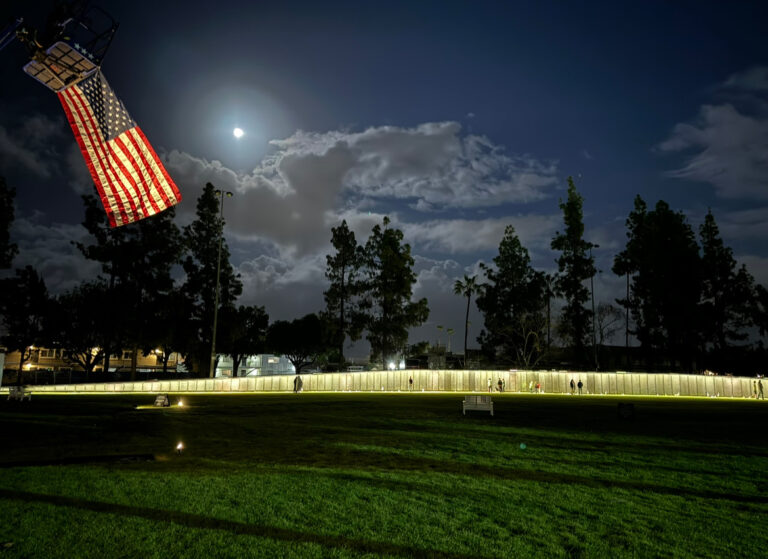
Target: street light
(221,194)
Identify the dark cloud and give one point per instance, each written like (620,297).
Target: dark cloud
(50,249)
(754,79)
(32,145)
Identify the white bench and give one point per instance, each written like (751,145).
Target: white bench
(19,393)
(162,401)
(482,403)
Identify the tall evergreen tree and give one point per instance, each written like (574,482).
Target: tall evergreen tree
(727,292)
(201,239)
(389,266)
(760,310)
(342,298)
(512,302)
(7,249)
(136,261)
(575,266)
(662,258)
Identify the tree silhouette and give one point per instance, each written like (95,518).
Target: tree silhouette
(136,260)
(727,293)
(243,333)
(170,328)
(550,292)
(510,300)
(24,307)
(760,310)
(81,325)
(662,258)
(7,249)
(466,287)
(201,239)
(389,266)
(300,340)
(575,266)
(342,298)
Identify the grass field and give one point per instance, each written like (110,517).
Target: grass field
(401,475)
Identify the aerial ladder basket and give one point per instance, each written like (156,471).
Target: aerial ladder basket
(70,48)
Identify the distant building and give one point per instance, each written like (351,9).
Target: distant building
(254,365)
(44,359)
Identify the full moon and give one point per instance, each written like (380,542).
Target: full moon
(238,132)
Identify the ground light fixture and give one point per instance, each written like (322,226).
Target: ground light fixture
(179,447)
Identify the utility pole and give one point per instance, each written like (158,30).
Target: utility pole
(594,316)
(626,331)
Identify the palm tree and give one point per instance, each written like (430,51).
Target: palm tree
(467,288)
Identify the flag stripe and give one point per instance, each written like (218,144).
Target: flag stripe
(89,163)
(103,156)
(111,202)
(148,178)
(171,190)
(116,163)
(96,152)
(148,171)
(121,159)
(163,189)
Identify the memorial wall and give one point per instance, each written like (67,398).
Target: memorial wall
(549,382)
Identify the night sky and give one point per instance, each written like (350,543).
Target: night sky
(453,118)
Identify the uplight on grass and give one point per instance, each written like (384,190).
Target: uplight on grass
(181,403)
(179,447)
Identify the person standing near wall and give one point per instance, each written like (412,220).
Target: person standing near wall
(580,385)
(490,385)
(573,387)
(760,389)
(754,389)
(410,383)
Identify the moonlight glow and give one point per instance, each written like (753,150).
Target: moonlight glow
(238,132)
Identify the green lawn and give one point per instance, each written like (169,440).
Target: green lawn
(401,475)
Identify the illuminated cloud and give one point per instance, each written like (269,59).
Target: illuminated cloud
(726,144)
(290,197)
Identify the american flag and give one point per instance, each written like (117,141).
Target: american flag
(130,178)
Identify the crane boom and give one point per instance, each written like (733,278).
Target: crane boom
(8,34)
